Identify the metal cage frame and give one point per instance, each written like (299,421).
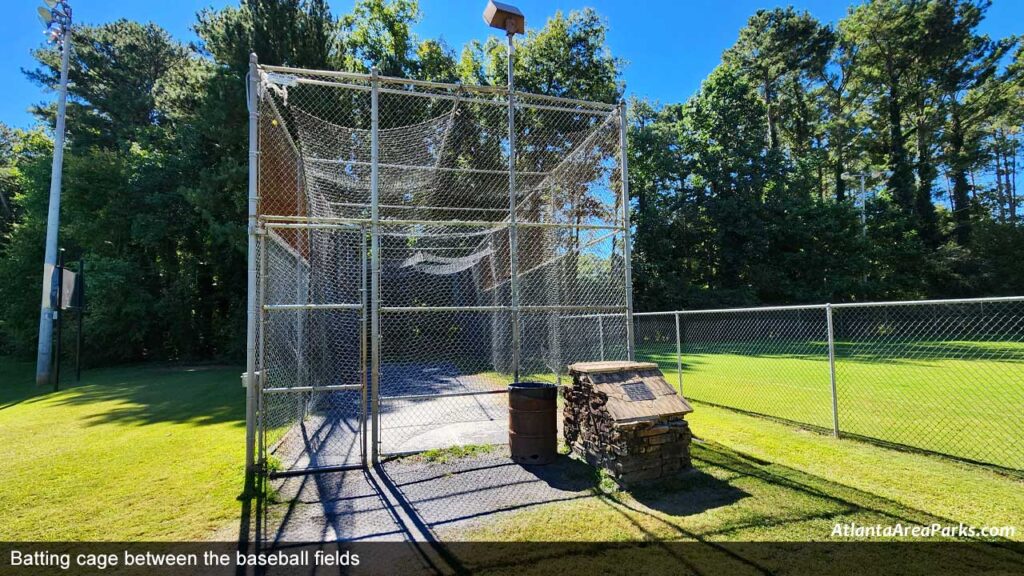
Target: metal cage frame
(337,193)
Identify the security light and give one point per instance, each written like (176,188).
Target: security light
(50,3)
(45,16)
(505,17)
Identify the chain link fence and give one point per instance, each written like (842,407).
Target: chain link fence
(939,376)
(420,246)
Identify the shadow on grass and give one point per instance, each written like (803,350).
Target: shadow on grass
(148,394)
(654,511)
(441,504)
(689,493)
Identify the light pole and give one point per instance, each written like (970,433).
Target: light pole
(56,16)
(511,20)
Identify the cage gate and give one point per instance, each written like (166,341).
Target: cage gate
(312,347)
(419,248)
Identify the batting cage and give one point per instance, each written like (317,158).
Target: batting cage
(415,247)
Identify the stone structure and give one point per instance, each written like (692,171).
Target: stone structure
(624,417)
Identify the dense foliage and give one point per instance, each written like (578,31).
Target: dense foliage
(749,192)
(871,160)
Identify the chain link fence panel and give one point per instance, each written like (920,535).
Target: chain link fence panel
(937,376)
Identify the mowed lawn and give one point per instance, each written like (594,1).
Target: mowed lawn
(132,453)
(757,480)
(964,399)
(156,453)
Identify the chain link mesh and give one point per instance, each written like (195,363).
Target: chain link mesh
(943,377)
(457,272)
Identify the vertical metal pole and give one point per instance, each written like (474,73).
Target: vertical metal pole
(626,241)
(832,370)
(59,315)
(374,270)
(679,354)
(302,400)
(513,234)
(80,297)
(46,313)
(600,334)
(250,328)
(362,345)
(261,352)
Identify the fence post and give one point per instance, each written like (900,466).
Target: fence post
(513,232)
(250,339)
(679,355)
(600,334)
(364,333)
(832,370)
(627,248)
(374,272)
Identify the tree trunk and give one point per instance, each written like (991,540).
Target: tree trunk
(837,173)
(1013,184)
(961,188)
(926,173)
(900,185)
(769,107)
(8,212)
(1001,197)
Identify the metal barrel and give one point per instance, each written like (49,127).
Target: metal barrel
(532,422)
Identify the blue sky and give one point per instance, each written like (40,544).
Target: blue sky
(670,45)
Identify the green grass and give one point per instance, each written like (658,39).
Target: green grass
(133,453)
(156,453)
(758,480)
(444,455)
(964,399)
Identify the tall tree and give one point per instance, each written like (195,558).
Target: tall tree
(779,50)
(888,33)
(963,71)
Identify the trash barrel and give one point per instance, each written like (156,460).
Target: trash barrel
(532,422)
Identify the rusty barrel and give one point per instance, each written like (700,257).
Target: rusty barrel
(532,422)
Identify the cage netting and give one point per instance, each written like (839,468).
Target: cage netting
(450,295)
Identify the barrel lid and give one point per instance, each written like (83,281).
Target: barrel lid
(531,385)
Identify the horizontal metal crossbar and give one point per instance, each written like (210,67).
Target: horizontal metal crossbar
(926,302)
(824,306)
(499,90)
(333,388)
(551,308)
(419,207)
(438,223)
(313,226)
(316,470)
(449,395)
(724,310)
(286,307)
(424,168)
(574,108)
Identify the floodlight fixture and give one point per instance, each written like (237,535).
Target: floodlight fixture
(45,16)
(505,17)
(51,3)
